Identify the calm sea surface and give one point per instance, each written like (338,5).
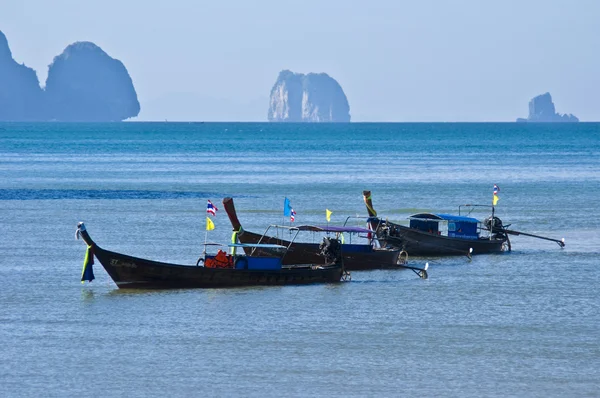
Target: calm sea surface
(526,323)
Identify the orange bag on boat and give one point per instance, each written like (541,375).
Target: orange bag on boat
(209,263)
(222,260)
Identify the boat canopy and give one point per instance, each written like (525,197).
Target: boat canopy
(445,217)
(446,225)
(332,228)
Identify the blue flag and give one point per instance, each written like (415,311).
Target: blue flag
(287,208)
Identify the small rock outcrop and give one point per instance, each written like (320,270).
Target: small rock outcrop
(21,98)
(541,109)
(85,84)
(315,97)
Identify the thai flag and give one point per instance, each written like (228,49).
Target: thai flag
(292,216)
(211,209)
(496,189)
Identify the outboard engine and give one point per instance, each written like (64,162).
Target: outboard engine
(331,250)
(496,223)
(390,230)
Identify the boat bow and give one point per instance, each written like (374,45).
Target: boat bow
(82,232)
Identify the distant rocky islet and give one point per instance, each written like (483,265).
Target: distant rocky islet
(21,97)
(542,110)
(84,84)
(315,97)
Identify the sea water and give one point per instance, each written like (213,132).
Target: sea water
(525,323)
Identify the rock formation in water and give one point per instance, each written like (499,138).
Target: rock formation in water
(315,97)
(21,98)
(84,84)
(541,109)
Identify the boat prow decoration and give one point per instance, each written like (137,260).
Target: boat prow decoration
(87,273)
(231,213)
(373,221)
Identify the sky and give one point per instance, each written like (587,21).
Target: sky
(396,60)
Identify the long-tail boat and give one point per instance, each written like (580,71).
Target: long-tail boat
(355,256)
(444,234)
(220,270)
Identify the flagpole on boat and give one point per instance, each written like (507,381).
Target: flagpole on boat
(492,219)
(286,206)
(205,238)
(206,235)
(328,217)
(210,209)
(494,200)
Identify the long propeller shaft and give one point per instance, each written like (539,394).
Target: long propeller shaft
(561,242)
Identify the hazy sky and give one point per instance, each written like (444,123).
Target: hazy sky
(471,60)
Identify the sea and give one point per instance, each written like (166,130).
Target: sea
(518,324)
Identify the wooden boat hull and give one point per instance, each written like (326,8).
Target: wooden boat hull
(354,260)
(421,243)
(138,273)
(309,252)
(132,272)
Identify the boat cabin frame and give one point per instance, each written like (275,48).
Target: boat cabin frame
(327,229)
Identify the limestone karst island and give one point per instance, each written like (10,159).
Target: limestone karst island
(84,84)
(542,110)
(315,97)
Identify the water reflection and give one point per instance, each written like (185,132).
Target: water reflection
(87,295)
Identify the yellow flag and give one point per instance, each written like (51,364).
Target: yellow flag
(209,224)
(496,198)
(328,214)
